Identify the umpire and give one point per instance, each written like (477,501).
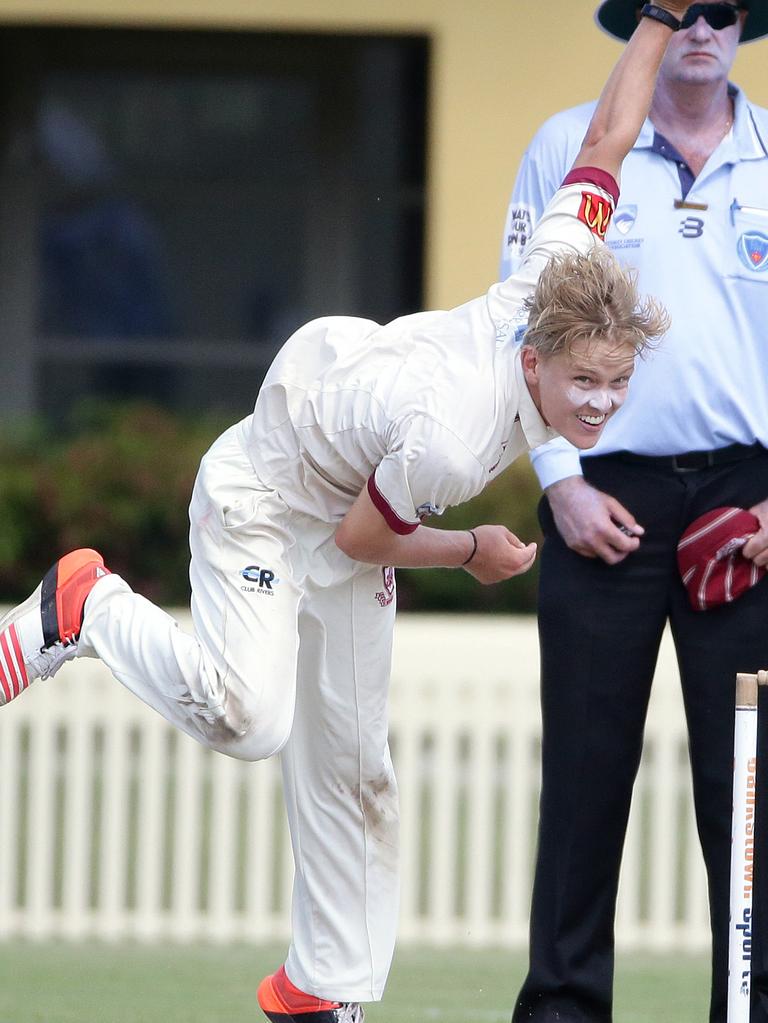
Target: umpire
(693,219)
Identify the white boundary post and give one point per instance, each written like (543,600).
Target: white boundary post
(742,848)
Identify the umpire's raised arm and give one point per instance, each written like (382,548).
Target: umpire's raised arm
(626,97)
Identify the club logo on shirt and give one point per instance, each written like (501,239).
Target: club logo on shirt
(624,219)
(386,597)
(263,580)
(752,247)
(596,213)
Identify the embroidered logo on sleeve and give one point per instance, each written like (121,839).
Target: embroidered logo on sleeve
(596,213)
(425,510)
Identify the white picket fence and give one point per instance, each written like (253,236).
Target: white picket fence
(114,826)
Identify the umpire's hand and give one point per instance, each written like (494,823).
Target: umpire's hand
(593,523)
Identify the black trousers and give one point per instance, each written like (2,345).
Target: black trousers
(600,627)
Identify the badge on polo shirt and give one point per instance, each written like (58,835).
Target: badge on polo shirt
(753,251)
(625,218)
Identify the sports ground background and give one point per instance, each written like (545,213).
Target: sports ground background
(497,69)
(106,984)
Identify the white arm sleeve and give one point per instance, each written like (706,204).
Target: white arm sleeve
(555,461)
(426,470)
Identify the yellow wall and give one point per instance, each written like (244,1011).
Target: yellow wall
(499,68)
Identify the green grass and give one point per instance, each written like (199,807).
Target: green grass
(62,983)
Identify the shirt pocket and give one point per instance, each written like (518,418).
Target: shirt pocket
(748,259)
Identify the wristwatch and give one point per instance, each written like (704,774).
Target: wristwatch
(659,14)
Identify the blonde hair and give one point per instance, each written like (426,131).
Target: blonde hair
(590,296)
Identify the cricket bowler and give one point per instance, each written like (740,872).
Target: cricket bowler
(300,513)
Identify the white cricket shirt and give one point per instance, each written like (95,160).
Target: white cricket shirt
(425,410)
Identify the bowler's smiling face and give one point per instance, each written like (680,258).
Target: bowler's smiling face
(578,390)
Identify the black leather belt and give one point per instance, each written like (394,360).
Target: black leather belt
(693,461)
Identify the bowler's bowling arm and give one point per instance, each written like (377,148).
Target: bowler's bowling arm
(491,553)
(626,97)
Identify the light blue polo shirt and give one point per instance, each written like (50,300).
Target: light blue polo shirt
(701,247)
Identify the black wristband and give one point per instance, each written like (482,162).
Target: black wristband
(659,14)
(474,549)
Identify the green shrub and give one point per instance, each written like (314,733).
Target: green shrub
(120,480)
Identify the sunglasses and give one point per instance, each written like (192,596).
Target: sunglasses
(717,16)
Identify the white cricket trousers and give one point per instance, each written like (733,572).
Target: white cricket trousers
(291,652)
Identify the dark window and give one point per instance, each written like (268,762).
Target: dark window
(174,204)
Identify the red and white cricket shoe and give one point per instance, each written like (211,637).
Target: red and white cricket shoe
(282,1002)
(38,636)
